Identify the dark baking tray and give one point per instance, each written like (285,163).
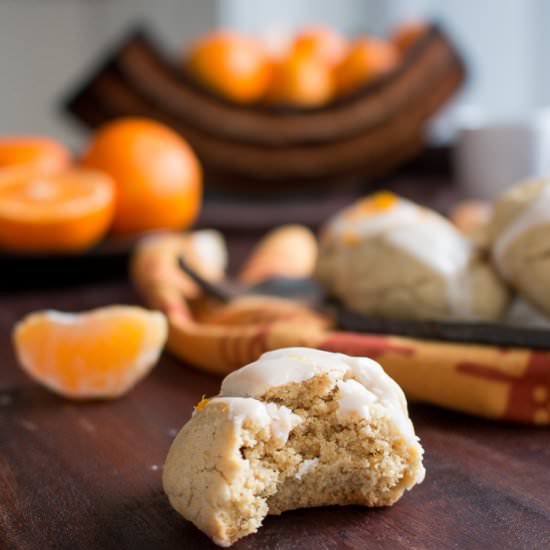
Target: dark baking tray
(494,334)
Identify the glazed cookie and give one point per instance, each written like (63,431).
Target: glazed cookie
(519,233)
(297,428)
(387,256)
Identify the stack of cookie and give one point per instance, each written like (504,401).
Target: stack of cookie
(388,256)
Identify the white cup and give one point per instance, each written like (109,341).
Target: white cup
(489,157)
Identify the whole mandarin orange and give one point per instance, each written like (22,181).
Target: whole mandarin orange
(233,65)
(322,42)
(63,212)
(367,59)
(302,80)
(36,152)
(158,178)
(409,32)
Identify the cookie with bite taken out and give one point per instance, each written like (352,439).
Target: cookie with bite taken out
(297,428)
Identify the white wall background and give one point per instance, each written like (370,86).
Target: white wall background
(346,15)
(45,45)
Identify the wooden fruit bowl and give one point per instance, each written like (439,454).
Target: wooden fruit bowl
(266,148)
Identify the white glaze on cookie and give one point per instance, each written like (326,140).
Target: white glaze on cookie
(288,365)
(307,465)
(352,221)
(434,242)
(354,400)
(281,367)
(280,418)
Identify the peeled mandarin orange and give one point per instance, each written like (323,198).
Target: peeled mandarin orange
(158,178)
(367,59)
(233,65)
(100,353)
(301,80)
(322,42)
(64,212)
(40,153)
(409,32)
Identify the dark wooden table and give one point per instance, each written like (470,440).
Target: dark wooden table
(88,475)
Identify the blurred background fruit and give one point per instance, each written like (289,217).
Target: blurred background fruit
(302,79)
(158,179)
(367,58)
(37,152)
(31,101)
(234,65)
(263,148)
(322,42)
(64,212)
(277,42)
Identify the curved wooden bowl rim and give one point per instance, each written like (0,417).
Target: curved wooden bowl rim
(425,79)
(258,124)
(281,162)
(408,57)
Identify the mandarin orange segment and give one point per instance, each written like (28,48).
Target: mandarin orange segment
(42,154)
(233,65)
(157,177)
(64,212)
(97,354)
(367,59)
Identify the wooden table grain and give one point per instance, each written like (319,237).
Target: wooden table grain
(88,475)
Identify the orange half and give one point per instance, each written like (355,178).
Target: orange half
(65,212)
(40,153)
(97,354)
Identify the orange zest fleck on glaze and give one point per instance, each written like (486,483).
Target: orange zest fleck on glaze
(384,200)
(379,202)
(202,403)
(371,205)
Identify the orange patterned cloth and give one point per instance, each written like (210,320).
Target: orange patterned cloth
(504,383)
